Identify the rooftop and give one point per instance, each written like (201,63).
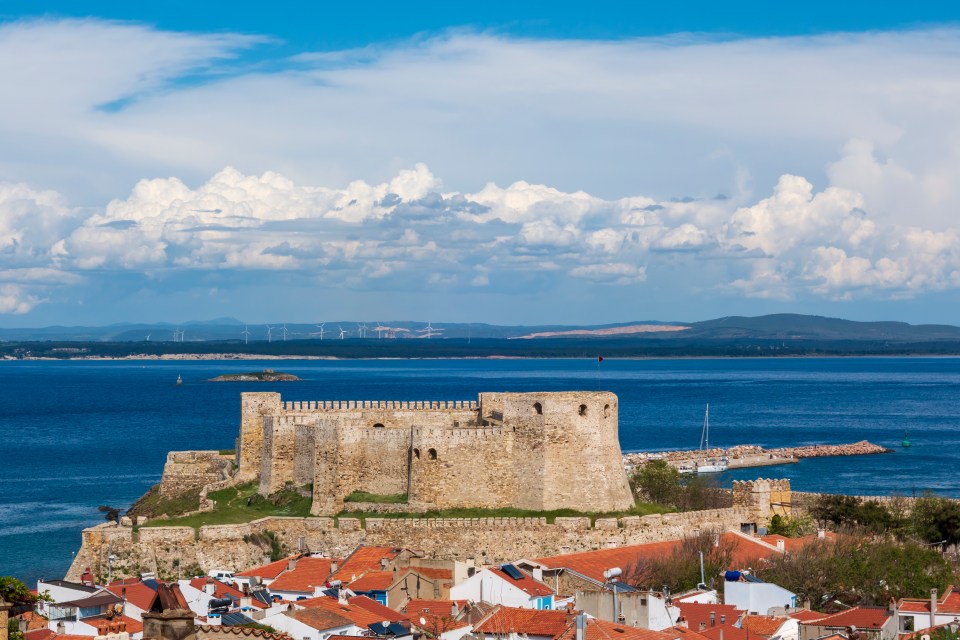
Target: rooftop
(532,587)
(307,574)
(860,617)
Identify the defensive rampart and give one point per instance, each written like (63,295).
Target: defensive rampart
(169,550)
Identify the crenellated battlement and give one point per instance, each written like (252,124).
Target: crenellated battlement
(544,450)
(391,405)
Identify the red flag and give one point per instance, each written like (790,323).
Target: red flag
(599,359)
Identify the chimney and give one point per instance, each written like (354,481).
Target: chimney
(682,622)
(703,626)
(209,587)
(334,567)
(383,564)
(342,596)
(454,609)
(246,602)
(806,604)
(821,533)
(291,564)
(61,628)
(721,633)
(538,573)
(713,619)
(214,620)
(933,607)
(581,626)
(175,624)
(781,546)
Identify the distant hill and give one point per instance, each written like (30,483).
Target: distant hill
(771,335)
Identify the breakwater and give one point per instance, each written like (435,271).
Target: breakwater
(752,455)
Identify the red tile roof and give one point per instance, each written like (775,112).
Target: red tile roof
(363,560)
(221,590)
(805,615)
(307,574)
(373,606)
(362,616)
(268,571)
(762,625)
(603,630)
(431,572)
(136,593)
(534,588)
(372,581)
(728,633)
(34,620)
(437,607)
(746,552)
(39,634)
(684,633)
(795,544)
(320,619)
(948,604)
(859,617)
(133,626)
(699,612)
(227,630)
(533,622)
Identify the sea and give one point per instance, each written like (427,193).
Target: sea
(77,435)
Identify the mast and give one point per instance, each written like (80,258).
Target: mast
(705,435)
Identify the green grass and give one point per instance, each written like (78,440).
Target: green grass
(232,507)
(642,509)
(227,452)
(378,498)
(152,505)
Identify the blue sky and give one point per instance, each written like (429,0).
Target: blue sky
(547,163)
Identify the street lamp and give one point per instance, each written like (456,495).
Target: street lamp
(610,576)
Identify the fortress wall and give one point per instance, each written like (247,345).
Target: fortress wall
(304,446)
(489,540)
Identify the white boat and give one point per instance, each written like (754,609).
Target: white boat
(709,465)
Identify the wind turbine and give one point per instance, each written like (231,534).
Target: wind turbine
(361,329)
(380,329)
(429,331)
(148,337)
(269,333)
(343,332)
(283,330)
(320,326)
(246,334)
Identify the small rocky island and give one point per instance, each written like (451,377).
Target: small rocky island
(267,375)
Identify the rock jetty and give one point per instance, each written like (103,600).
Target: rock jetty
(747,452)
(267,375)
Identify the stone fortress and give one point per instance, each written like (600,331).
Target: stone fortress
(537,451)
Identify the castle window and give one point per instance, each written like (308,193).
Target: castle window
(606,411)
(583,409)
(378,426)
(432,453)
(416,454)
(538,408)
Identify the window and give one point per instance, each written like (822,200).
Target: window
(432,453)
(378,426)
(538,408)
(606,411)
(416,454)
(583,409)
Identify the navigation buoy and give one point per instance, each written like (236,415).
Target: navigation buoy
(906,440)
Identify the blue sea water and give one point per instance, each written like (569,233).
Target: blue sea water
(75,435)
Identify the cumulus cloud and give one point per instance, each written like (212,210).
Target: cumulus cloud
(795,243)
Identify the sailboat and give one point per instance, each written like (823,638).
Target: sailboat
(709,465)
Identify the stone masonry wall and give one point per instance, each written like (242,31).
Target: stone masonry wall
(165,550)
(185,470)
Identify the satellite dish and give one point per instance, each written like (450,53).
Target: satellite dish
(423,620)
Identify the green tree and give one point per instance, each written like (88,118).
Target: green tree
(15,592)
(937,520)
(658,481)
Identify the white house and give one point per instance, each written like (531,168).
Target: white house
(505,585)
(641,609)
(757,597)
(917,614)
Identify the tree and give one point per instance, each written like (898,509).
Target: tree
(15,592)
(937,520)
(658,481)
(680,570)
(858,571)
